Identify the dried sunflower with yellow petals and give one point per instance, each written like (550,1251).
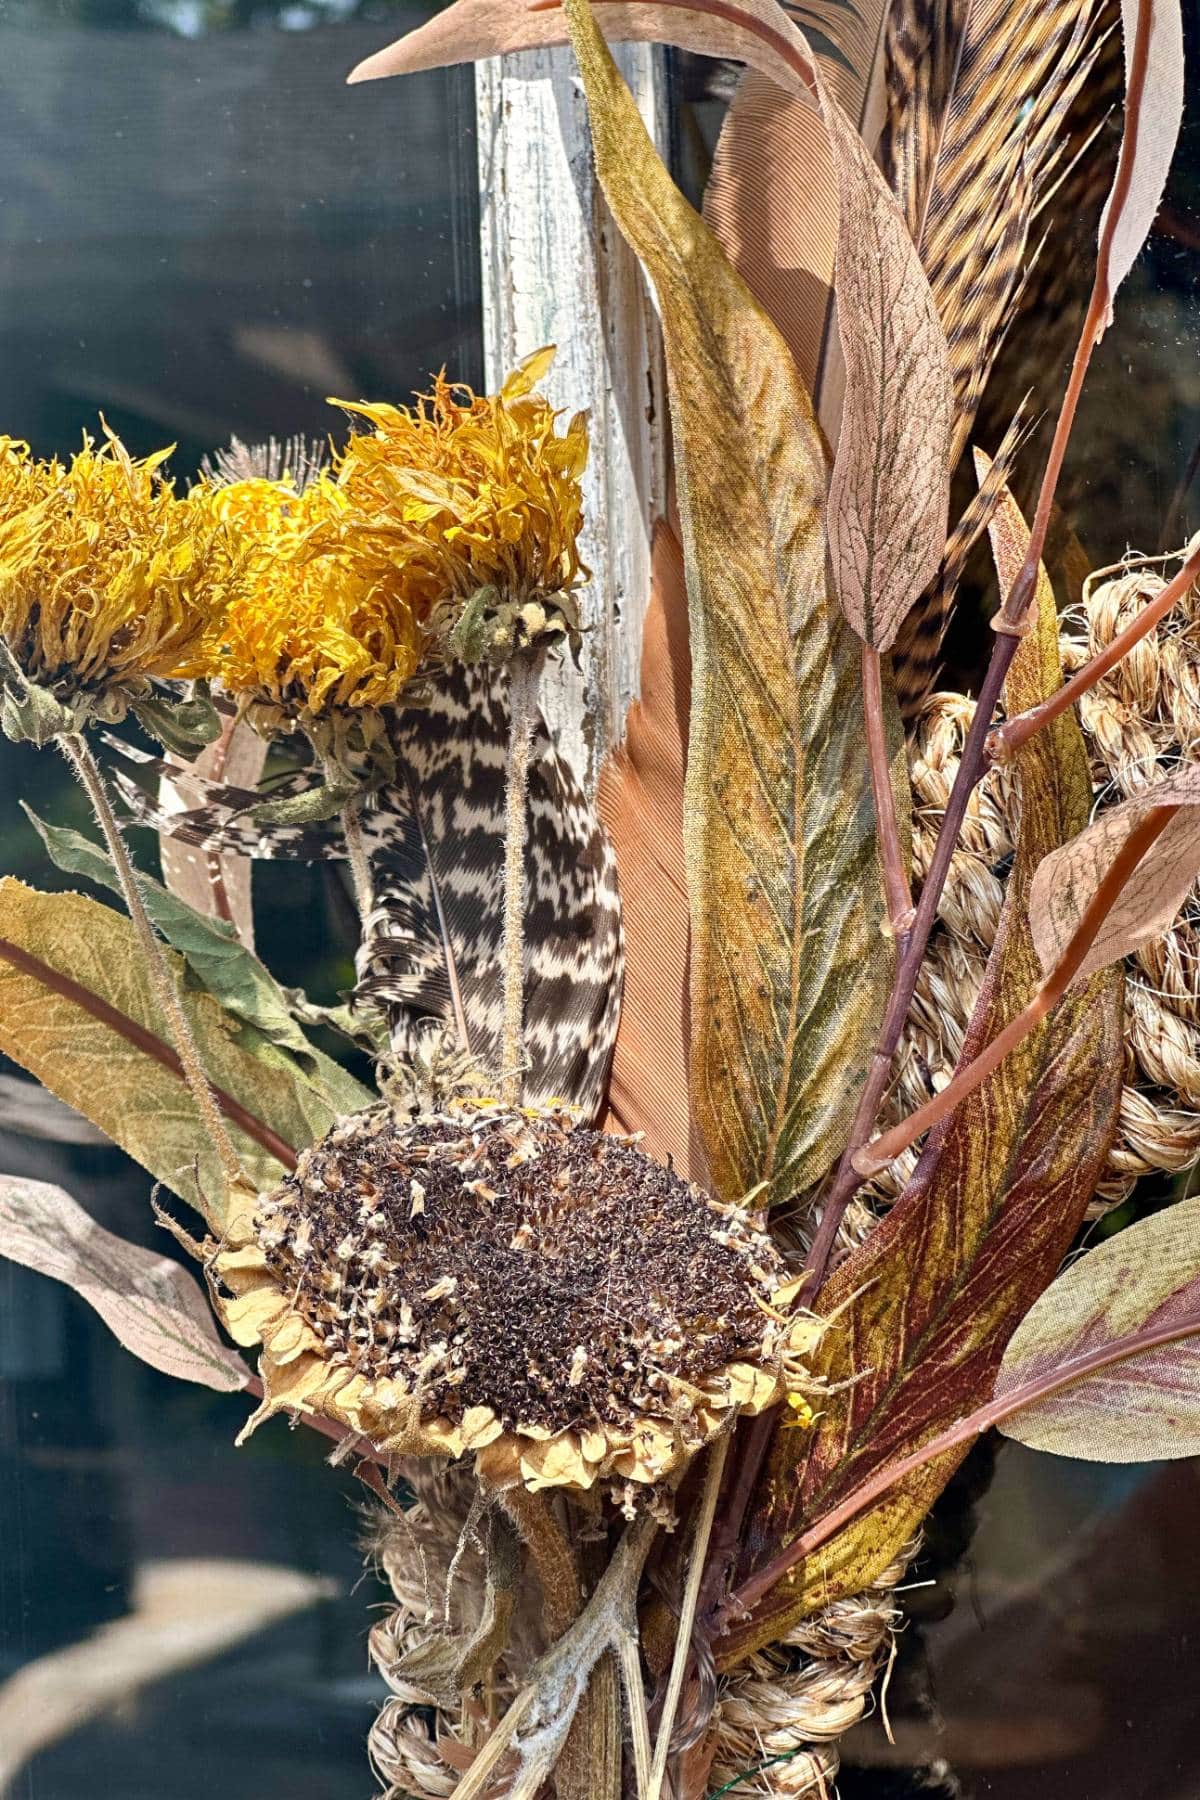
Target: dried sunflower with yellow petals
(506,1282)
(108,582)
(474,505)
(311,629)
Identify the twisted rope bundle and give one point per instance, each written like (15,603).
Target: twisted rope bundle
(1140,720)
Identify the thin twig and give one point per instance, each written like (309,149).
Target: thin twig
(524,677)
(84,764)
(895,876)
(1007,738)
(687,1616)
(963,1431)
(880,1152)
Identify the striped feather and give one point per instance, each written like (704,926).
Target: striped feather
(980,99)
(435,844)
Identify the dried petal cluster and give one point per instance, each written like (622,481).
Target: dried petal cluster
(107,578)
(510,1283)
(312,628)
(474,506)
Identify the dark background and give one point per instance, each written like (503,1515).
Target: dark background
(202,232)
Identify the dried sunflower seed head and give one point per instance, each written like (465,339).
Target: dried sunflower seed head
(558,1303)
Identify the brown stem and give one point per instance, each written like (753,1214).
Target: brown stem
(1028,1393)
(1007,739)
(705,1512)
(895,875)
(877,1155)
(146,1042)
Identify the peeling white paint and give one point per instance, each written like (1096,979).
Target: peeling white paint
(557,271)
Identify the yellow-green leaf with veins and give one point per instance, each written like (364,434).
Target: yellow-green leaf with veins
(90,1062)
(926,1304)
(789,962)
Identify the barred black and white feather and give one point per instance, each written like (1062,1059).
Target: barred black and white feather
(431,953)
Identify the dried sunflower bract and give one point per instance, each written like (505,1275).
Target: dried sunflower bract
(509,1283)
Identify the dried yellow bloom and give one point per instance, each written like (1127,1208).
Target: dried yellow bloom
(310,630)
(474,505)
(107,579)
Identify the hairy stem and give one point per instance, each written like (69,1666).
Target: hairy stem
(84,764)
(687,1615)
(360,863)
(523,690)
(895,875)
(877,1155)
(963,1431)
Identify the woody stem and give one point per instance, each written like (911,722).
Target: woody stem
(91,780)
(523,692)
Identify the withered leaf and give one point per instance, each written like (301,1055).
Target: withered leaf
(789,961)
(889,498)
(1148,902)
(134,1099)
(758,32)
(933,1294)
(149,1303)
(1146,1407)
(1154,80)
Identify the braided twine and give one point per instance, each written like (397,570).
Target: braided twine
(781,1713)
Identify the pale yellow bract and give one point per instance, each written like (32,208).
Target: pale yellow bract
(107,578)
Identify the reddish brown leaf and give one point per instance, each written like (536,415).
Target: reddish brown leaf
(937,1288)
(889,496)
(1148,902)
(758,32)
(1154,111)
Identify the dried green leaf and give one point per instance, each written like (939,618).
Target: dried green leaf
(149,1303)
(789,961)
(1146,1277)
(935,1291)
(131,1096)
(217,960)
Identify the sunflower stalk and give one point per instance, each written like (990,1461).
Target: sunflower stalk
(360,862)
(86,770)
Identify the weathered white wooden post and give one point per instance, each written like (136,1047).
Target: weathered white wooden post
(557,271)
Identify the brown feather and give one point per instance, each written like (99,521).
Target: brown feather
(640,801)
(980,98)
(772,196)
